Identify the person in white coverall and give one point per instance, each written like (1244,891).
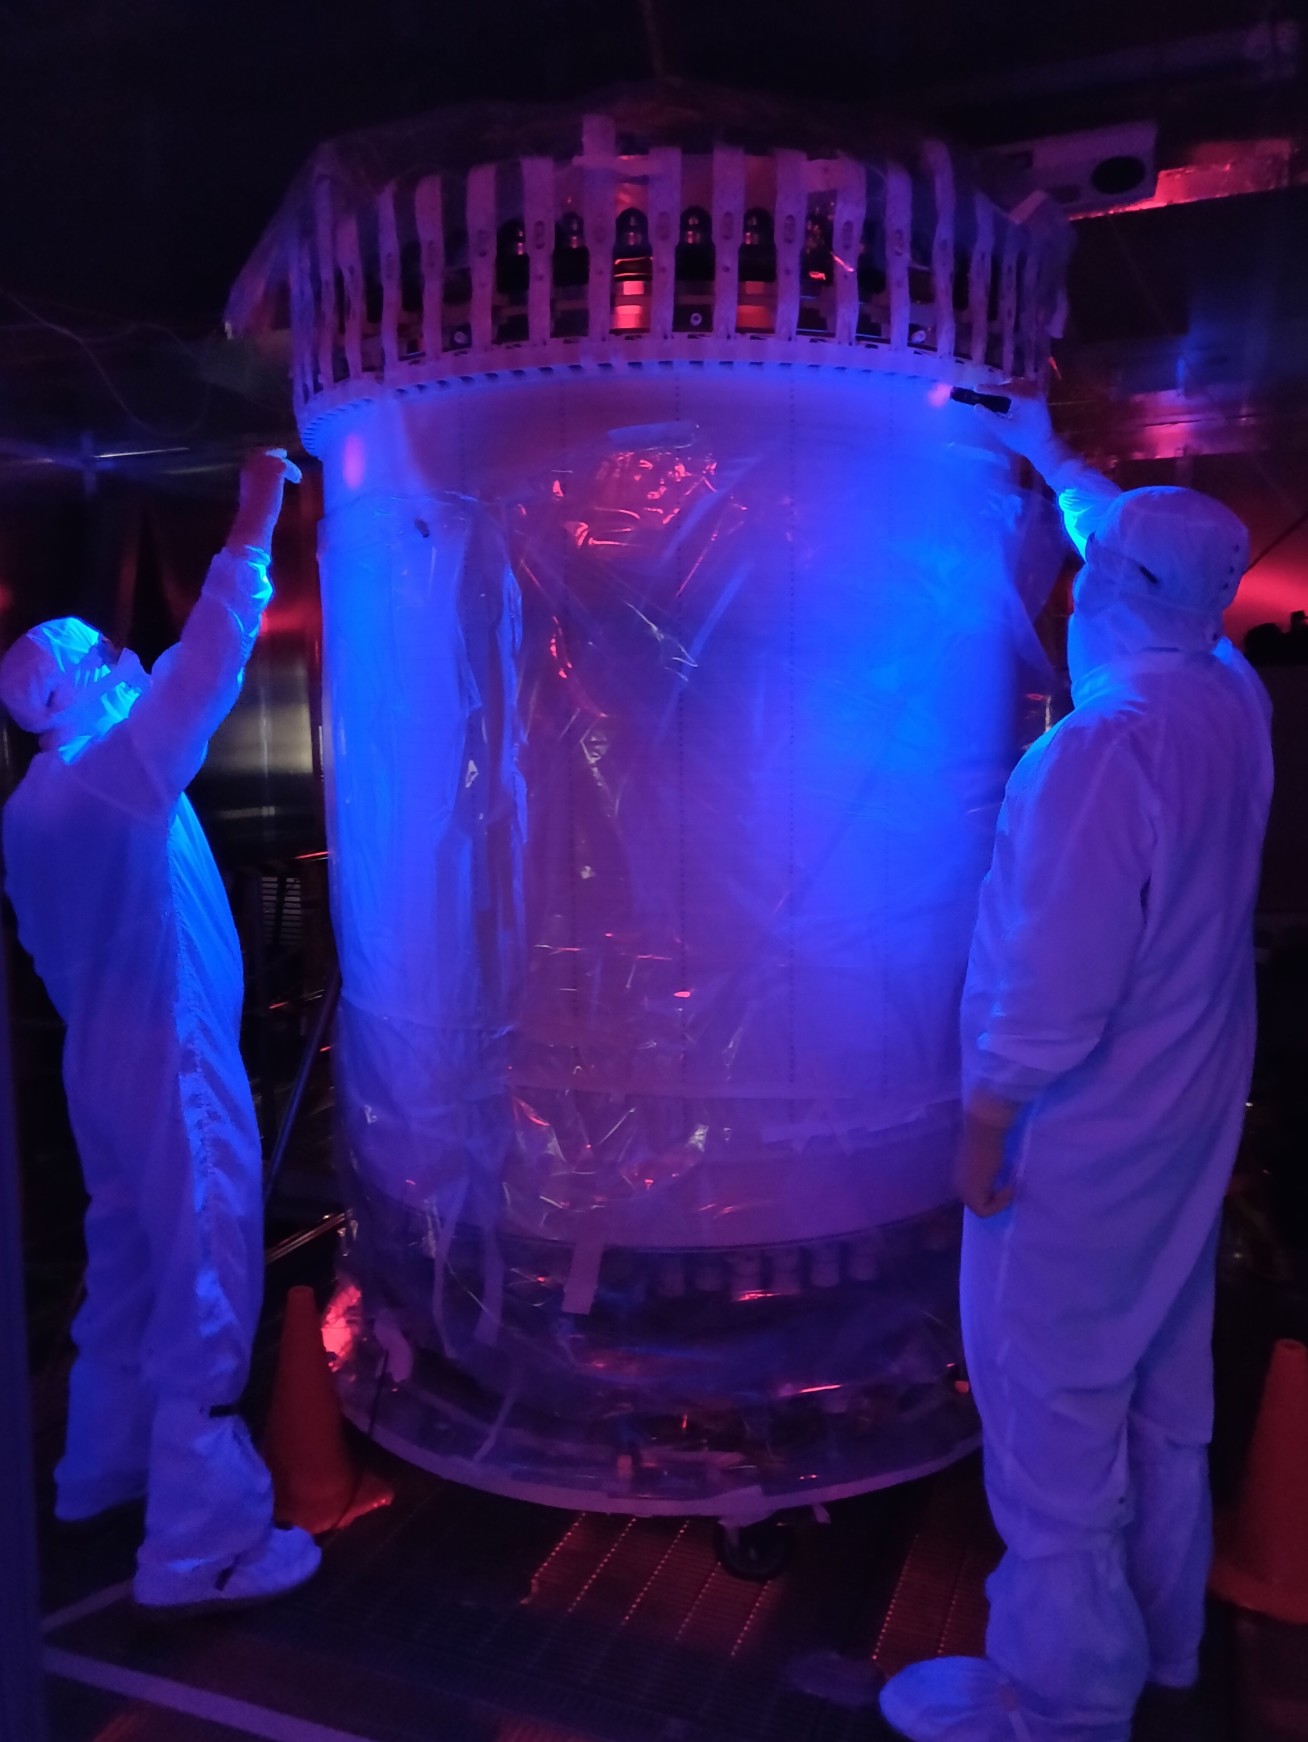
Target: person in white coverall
(1108,1031)
(121,906)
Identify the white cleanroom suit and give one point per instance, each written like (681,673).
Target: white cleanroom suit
(1109,1015)
(120,903)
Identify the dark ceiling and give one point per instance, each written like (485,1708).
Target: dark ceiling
(145,143)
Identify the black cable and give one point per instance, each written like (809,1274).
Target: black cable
(86,347)
(326,1010)
(1279,540)
(361,1469)
(658,59)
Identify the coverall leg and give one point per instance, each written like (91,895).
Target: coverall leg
(1101,1497)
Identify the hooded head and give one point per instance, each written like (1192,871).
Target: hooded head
(64,680)
(1160,569)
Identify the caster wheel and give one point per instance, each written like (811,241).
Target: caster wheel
(755,1551)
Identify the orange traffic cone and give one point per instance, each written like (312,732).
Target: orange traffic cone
(1262,1548)
(316,1483)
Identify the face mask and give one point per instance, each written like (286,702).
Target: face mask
(1108,625)
(132,682)
(106,700)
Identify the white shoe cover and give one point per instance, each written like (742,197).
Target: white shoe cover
(966,1699)
(952,1699)
(285,1559)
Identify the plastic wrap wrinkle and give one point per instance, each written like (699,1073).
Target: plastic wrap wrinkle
(776,923)
(670,722)
(688,1415)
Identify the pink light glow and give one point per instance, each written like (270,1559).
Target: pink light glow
(340,1323)
(1269,594)
(354,461)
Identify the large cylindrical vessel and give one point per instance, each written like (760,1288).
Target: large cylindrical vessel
(674,619)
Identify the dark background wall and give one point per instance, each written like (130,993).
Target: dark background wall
(144,145)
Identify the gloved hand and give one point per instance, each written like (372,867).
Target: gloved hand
(1026,429)
(979,1160)
(263,478)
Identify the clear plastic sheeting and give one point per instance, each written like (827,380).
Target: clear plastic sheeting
(670,715)
(678,1390)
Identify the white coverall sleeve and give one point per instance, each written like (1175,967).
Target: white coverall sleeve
(1073,860)
(1083,497)
(195,684)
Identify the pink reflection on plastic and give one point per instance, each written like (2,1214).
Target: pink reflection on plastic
(340,1323)
(354,461)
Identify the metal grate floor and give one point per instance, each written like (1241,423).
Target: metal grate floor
(457,1614)
(464,1617)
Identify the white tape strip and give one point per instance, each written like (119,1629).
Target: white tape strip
(583,1276)
(239,1715)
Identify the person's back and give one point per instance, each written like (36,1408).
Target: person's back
(1134,919)
(1198,729)
(1108,1027)
(117,896)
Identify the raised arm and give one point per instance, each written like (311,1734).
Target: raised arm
(1083,494)
(195,684)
